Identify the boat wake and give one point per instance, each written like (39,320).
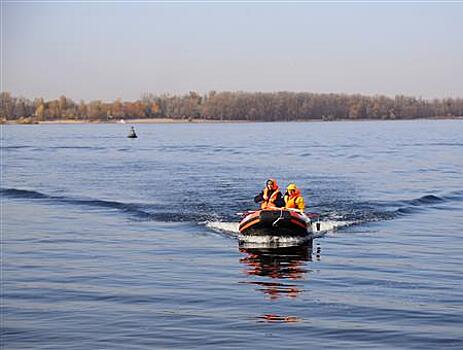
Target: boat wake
(334,216)
(229,228)
(137,211)
(232,228)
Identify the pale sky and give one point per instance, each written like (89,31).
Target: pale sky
(107,50)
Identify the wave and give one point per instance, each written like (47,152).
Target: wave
(363,212)
(137,210)
(421,144)
(333,215)
(54,148)
(91,148)
(412,206)
(15,147)
(454,196)
(427,199)
(17,193)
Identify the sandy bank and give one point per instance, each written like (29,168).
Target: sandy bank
(143,121)
(207,121)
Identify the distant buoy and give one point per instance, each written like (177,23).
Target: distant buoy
(132,133)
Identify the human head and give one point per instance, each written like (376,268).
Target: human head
(271,184)
(292,189)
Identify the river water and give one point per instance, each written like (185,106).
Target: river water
(117,243)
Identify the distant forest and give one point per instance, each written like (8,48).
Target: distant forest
(250,106)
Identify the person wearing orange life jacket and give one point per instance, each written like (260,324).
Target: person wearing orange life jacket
(270,196)
(293,198)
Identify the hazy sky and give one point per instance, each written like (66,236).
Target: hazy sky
(107,50)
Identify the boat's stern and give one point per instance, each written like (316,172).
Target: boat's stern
(276,222)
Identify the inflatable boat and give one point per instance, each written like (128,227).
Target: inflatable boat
(276,223)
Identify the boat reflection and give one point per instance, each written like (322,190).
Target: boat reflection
(280,264)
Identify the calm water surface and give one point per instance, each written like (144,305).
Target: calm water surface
(117,243)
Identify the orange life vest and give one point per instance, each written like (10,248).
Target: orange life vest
(296,201)
(269,199)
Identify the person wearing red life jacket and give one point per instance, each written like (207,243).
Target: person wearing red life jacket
(270,196)
(293,198)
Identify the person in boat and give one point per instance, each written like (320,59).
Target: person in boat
(293,198)
(270,196)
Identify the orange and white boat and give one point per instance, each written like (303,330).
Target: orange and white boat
(276,223)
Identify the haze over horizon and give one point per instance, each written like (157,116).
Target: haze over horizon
(108,50)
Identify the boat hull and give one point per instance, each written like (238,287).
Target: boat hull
(276,223)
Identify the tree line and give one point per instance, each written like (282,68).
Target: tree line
(250,106)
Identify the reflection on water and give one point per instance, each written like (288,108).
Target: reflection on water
(279,265)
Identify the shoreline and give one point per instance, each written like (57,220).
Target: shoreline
(126,122)
(203,121)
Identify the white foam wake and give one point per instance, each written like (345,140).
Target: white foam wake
(232,228)
(328,226)
(267,241)
(224,227)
